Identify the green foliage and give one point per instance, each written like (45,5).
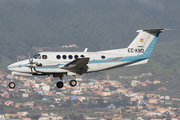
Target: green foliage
(74,117)
(150,87)
(35,116)
(112,88)
(145,97)
(108,119)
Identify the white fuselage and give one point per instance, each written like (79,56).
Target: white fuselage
(73,63)
(98,61)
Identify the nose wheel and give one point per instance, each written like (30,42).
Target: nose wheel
(72,83)
(12,85)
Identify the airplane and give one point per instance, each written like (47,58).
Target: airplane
(73,64)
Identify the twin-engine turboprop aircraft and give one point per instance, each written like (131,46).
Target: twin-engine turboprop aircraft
(59,64)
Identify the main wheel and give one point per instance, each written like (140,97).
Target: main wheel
(72,83)
(12,85)
(59,84)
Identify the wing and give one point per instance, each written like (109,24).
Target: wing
(78,66)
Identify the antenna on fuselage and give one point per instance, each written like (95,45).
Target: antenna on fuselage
(85,50)
(17,58)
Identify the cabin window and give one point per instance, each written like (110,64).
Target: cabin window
(58,57)
(70,56)
(82,56)
(44,56)
(37,56)
(103,57)
(64,56)
(76,56)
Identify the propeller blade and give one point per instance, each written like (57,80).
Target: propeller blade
(35,69)
(31,61)
(29,57)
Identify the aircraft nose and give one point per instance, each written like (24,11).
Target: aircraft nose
(10,67)
(18,66)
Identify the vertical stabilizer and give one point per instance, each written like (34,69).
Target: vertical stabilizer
(144,43)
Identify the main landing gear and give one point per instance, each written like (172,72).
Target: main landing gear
(60,84)
(12,85)
(72,83)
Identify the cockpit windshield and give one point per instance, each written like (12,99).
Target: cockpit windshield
(37,56)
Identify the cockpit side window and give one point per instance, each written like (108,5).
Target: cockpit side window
(44,56)
(37,56)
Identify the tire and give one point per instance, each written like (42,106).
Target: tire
(12,85)
(59,84)
(72,83)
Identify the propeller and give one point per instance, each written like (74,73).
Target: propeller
(30,59)
(31,64)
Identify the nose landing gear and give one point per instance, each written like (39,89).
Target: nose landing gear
(12,84)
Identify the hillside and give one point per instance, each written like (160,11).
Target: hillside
(98,25)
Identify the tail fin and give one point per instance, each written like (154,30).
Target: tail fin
(144,43)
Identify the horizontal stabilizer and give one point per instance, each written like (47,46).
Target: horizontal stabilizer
(152,30)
